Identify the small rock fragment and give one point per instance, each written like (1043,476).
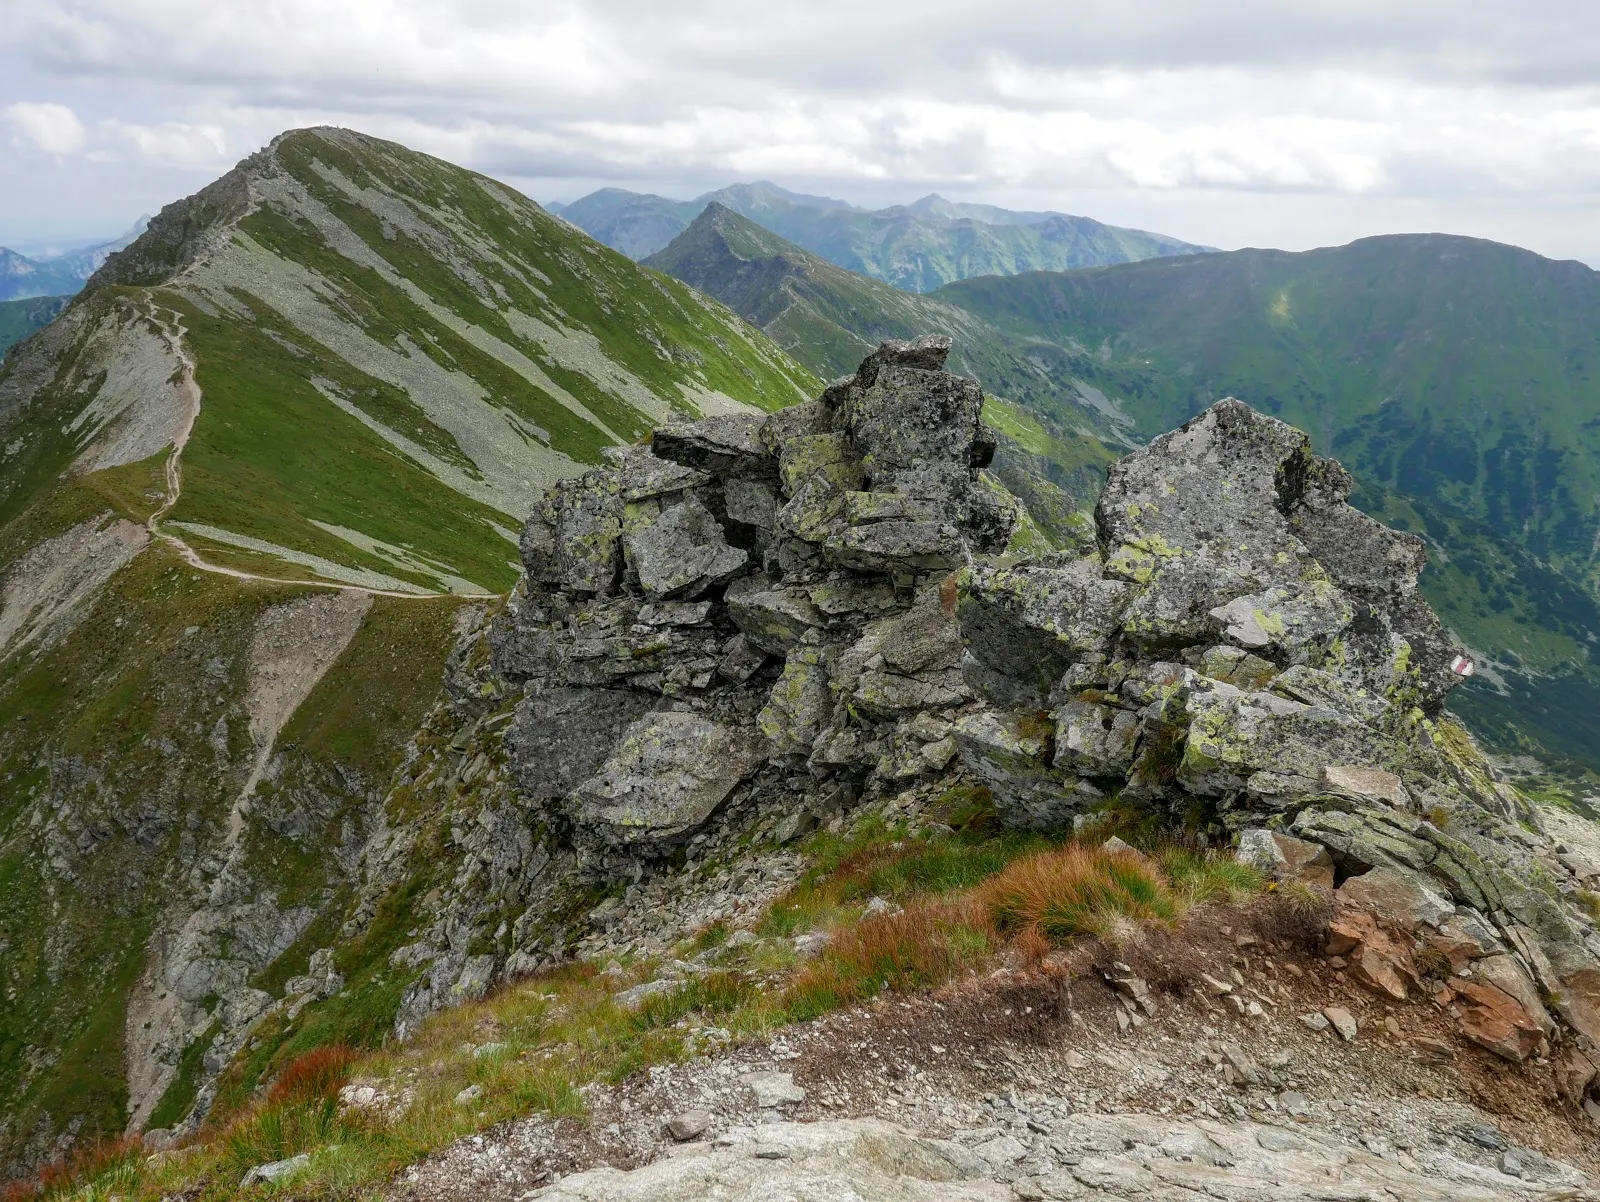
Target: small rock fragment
(275,1170)
(688,1125)
(1343,1021)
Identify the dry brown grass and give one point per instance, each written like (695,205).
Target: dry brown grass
(1077,891)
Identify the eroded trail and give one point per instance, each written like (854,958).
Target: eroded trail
(169,325)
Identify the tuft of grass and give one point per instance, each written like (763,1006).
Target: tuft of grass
(918,948)
(1079,891)
(314,1076)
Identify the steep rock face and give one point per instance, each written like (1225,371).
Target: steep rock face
(748,604)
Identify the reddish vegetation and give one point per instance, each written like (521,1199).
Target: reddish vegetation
(316,1075)
(83,1165)
(1077,890)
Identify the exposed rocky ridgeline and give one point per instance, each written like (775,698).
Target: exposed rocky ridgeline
(755,624)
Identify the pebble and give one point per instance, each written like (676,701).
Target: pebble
(688,1125)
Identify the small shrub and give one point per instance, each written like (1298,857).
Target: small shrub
(1590,901)
(1433,964)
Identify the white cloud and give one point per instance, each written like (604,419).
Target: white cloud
(175,143)
(51,128)
(1358,101)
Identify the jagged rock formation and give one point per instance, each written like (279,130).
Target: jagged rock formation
(751,605)
(776,615)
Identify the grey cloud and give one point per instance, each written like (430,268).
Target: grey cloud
(1433,100)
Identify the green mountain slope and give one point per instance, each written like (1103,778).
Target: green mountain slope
(250,482)
(21,318)
(916,247)
(828,318)
(1459,380)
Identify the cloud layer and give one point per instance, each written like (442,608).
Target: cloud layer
(1482,118)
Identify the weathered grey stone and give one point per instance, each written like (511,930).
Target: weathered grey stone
(908,662)
(667,775)
(560,737)
(1286,618)
(800,704)
(1285,858)
(1007,753)
(773,1089)
(682,553)
(1094,739)
(1033,622)
(688,1125)
(275,1171)
(751,503)
(727,445)
(572,539)
(1233,736)
(773,617)
(898,546)
(642,475)
(1362,783)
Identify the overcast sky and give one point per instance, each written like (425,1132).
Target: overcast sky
(1289,123)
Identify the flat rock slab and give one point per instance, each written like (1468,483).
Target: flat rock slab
(774,1089)
(873,1161)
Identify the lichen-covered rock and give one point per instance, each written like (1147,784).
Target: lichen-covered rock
(667,774)
(751,613)
(682,553)
(751,592)
(1010,754)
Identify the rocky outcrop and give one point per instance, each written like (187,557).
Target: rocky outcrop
(753,622)
(750,605)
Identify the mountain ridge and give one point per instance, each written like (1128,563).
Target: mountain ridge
(916,247)
(1055,437)
(255,482)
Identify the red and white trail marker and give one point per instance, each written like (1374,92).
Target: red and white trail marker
(1462,666)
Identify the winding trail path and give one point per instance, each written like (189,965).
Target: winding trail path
(169,325)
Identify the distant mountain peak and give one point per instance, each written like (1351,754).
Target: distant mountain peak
(917,247)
